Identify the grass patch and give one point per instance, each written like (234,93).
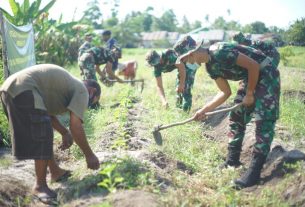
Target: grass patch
(295,59)
(5,162)
(292,112)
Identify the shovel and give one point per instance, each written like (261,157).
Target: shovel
(156,132)
(132,81)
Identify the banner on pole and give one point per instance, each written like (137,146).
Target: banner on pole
(20,49)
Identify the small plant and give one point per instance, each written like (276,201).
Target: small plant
(110,178)
(124,173)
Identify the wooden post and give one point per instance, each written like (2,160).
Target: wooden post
(4,48)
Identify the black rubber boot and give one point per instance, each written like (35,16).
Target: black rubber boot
(252,176)
(232,157)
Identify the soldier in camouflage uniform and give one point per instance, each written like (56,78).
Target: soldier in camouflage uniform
(91,60)
(266,47)
(259,92)
(166,62)
(85,46)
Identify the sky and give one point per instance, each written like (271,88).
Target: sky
(280,13)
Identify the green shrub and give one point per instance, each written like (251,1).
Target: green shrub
(285,53)
(4,131)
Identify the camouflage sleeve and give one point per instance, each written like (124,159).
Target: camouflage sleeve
(157,72)
(213,69)
(169,57)
(109,56)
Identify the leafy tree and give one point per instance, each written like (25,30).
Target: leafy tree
(296,32)
(256,28)
(197,24)
(186,26)
(233,25)
(27,12)
(207,18)
(167,22)
(219,23)
(147,19)
(92,15)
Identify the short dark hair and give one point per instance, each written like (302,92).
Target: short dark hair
(92,83)
(106,32)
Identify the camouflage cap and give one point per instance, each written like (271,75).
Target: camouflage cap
(88,34)
(152,58)
(241,39)
(186,46)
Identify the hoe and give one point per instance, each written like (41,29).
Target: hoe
(156,132)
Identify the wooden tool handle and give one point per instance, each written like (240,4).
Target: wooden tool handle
(208,114)
(223,110)
(176,124)
(129,81)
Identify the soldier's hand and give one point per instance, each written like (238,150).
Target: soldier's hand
(200,114)
(248,100)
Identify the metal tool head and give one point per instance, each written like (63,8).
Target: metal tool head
(157,135)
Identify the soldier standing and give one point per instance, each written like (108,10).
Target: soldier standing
(111,44)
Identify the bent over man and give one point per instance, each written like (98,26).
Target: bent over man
(32,98)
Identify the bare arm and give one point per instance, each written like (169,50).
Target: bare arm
(58,126)
(80,139)
(221,97)
(182,75)
(79,135)
(67,139)
(253,73)
(98,70)
(111,73)
(161,91)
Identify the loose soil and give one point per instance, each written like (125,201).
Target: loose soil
(86,193)
(274,169)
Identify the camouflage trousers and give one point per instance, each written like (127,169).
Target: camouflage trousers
(184,100)
(264,131)
(87,66)
(265,110)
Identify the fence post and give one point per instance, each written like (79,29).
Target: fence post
(4,48)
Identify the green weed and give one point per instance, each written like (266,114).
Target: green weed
(124,173)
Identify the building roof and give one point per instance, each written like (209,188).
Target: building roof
(159,35)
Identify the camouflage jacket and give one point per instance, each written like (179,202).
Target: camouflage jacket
(101,55)
(168,62)
(269,49)
(85,46)
(223,60)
